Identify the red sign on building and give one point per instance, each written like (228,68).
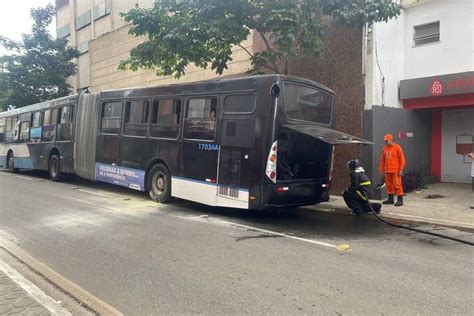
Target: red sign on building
(436,88)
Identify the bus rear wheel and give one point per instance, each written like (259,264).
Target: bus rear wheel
(11,162)
(159,184)
(54,168)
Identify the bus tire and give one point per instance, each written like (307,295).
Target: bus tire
(159,184)
(54,168)
(11,162)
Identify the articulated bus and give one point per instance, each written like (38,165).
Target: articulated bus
(253,143)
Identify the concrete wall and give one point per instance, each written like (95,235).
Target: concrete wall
(107,51)
(383,120)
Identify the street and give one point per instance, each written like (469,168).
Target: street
(146,258)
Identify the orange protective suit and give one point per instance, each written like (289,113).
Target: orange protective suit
(392,163)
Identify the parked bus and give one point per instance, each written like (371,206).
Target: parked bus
(253,143)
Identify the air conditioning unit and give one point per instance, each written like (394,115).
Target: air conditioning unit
(412,3)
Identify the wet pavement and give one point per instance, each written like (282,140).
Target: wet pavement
(147,258)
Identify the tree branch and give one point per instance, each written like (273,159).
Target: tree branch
(246,50)
(269,48)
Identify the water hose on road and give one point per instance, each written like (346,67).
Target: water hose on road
(416,229)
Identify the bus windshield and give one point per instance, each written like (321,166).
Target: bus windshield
(305,103)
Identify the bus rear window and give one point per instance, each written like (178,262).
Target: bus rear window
(304,103)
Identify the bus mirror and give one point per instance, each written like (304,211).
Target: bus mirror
(275,91)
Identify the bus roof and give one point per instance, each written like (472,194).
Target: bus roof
(41,106)
(217,85)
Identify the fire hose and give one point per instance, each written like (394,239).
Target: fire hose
(416,229)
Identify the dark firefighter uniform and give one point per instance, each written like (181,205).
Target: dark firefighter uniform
(359,191)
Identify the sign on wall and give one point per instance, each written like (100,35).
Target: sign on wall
(459,83)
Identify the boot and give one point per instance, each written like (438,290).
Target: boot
(389,200)
(399,201)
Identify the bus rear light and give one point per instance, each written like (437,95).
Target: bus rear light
(326,185)
(211,180)
(271,168)
(283,189)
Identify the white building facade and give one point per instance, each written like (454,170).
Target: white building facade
(419,86)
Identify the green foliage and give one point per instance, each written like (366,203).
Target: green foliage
(39,65)
(203,32)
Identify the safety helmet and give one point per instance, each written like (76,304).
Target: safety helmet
(353,164)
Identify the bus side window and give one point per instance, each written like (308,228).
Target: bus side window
(24,132)
(2,129)
(165,118)
(136,118)
(200,119)
(111,117)
(64,124)
(9,130)
(49,125)
(239,103)
(36,127)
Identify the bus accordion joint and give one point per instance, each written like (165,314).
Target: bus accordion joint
(271,168)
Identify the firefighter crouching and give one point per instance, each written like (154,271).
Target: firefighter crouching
(360,190)
(392,163)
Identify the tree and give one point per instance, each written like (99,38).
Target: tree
(203,32)
(39,65)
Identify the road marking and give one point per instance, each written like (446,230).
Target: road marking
(15,175)
(94,193)
(51,305)
(270,232)
(23,177)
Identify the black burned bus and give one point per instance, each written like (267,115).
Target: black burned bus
(254,142)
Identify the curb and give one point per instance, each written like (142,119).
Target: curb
(400,218)
(74,291)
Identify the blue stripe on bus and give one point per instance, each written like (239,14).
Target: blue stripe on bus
(23,163)
(203,182)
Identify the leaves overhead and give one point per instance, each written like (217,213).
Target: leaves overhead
(38,66)
(203,32)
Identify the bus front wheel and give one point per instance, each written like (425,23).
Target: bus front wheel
(159,184)
(54,168)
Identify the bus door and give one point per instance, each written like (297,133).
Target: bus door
(237,139)
(198,172)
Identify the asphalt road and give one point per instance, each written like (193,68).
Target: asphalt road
(146,258)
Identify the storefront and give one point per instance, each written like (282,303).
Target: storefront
(450,98)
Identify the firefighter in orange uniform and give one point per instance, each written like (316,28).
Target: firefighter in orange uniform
(392,163)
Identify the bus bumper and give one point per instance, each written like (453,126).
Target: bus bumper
(294,194)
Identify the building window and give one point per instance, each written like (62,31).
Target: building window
(61,3)
(426,33)
(101,10)
(83,47)
(136,118)
(83,20)
(165,118)
(64,31)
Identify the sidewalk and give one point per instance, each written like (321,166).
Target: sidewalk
(18,296)
(451,210)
